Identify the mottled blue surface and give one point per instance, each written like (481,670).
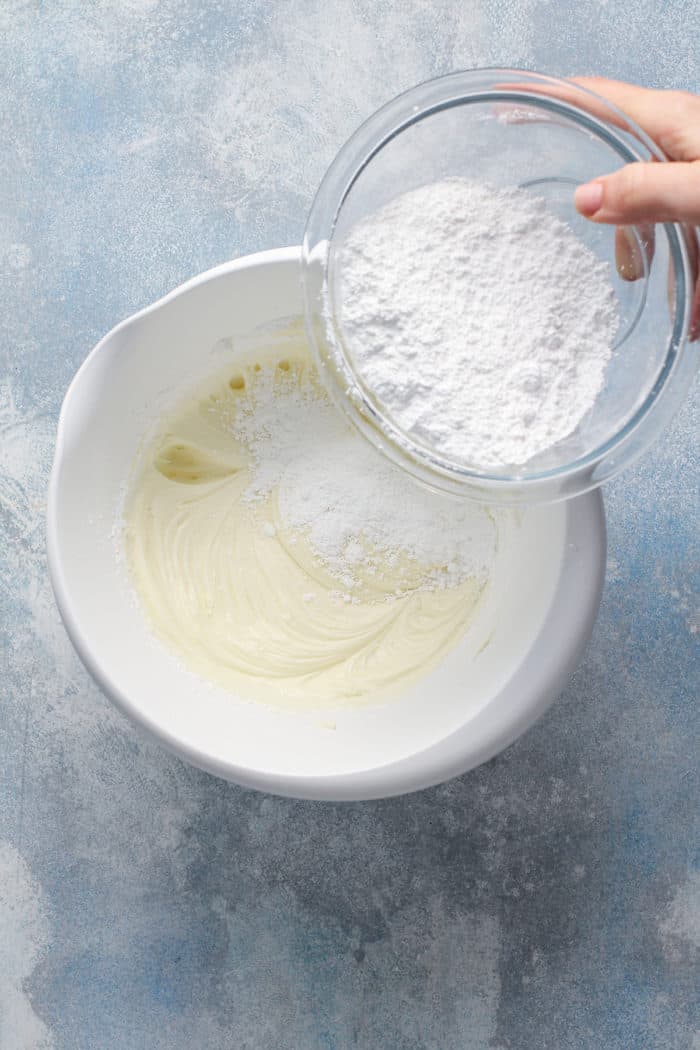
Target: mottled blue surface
(551,899)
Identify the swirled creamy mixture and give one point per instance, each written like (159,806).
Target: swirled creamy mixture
(283,558)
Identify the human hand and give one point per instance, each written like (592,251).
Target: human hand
(648,193)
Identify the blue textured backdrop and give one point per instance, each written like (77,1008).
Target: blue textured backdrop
(548,900)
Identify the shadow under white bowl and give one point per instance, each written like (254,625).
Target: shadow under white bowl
(524,642)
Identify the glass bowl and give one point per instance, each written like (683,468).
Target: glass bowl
(511,128)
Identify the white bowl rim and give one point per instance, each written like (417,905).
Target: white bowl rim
(531,689)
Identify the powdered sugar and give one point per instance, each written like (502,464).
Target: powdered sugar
(477,318)
(358,510)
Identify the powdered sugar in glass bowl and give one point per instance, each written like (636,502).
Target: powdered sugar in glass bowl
(519,134)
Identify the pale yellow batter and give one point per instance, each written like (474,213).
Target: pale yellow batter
(245,602)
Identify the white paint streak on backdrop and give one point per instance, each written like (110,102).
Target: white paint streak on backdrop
(24,936)
(680,925)
(273,122)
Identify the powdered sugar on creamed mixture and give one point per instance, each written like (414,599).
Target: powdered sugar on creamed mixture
(356,508)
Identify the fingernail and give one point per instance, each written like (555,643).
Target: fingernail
(589,197)
(628,256)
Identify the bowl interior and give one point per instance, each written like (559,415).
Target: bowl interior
(522,135)
(135,372)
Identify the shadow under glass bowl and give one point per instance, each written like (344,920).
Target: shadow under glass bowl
(510,128)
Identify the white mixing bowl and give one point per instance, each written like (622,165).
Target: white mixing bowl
(522,645)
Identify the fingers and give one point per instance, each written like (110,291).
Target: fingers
(670,118)
(568,93)
(630,253)
(694,332)
(691,241)
(651,192)
(641,193)
(691,237)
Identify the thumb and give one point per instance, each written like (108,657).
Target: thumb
(643,192)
